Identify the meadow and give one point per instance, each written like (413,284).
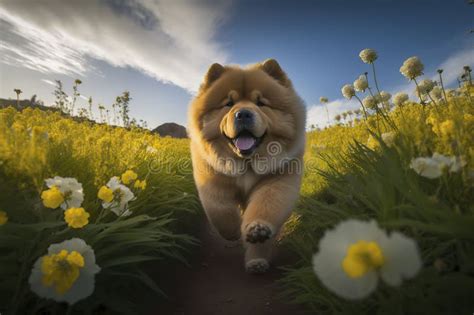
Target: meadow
(36,145)
(85,205)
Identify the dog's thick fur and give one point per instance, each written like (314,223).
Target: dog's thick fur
(248,196)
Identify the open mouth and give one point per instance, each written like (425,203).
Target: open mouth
(245,142)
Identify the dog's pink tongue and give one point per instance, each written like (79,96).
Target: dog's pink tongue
(244,142)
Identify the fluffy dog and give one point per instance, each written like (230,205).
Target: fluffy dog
(247,130)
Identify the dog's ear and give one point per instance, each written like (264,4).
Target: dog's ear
(215,71)
(273,69)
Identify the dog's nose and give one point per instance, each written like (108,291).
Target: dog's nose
(244,116)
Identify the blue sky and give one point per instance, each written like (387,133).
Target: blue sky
(160,49)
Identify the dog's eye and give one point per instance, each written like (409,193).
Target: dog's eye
(230,103)
(260,103)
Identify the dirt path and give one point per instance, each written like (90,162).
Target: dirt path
(217,284)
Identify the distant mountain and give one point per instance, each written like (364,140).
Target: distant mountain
(171,129)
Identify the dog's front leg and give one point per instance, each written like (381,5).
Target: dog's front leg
(269,206)
(218,196)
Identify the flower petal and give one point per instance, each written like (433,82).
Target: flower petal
(402,258)
(329,270)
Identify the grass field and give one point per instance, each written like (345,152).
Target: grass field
(366,171)
(410,168)
(36,145)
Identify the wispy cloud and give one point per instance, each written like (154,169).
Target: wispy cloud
(452,66)
(48,82)
(171,41)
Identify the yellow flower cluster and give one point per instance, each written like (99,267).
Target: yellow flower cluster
(448,129)
(128,177)
(362,257)
(106,194)
(61,270)
(52,198)
(34,142)
(76,217)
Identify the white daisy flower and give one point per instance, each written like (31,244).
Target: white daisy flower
(361,84)
(452,163)
(427,167)
(384,96)
(412,68)
(355,254)
(425,86)
(400,98)
(442,160)
(369,102)
(368,55)
(437,93)
(348,91)
(66,273)
(389,138)
(71,190)
(457,163)
(122,196)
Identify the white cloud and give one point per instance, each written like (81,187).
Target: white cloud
(48,82)
(171,41)
(452,68)
(318,116)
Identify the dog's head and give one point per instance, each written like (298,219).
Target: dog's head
(239,113)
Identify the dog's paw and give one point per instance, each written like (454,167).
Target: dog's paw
(258,232)
(257,266)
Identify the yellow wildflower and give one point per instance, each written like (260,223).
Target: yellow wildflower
(468,118)
(372,143)
(76,217)
(431,120)
(106,194)
(52,198)
(129,176)
(3,217)
(61,270)
(66,273)
(362,257)
(446,128)
(140,184)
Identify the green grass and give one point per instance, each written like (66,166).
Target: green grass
(35,145)
(364,183)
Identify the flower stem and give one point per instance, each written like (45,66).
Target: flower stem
(327,112)
(375,77)
(385,105)
(435,104)
(363,107)
(418,92)
(442,88)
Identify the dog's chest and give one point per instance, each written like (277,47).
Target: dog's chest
(246,182)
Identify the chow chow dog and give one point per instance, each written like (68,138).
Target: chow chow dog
(247,131)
